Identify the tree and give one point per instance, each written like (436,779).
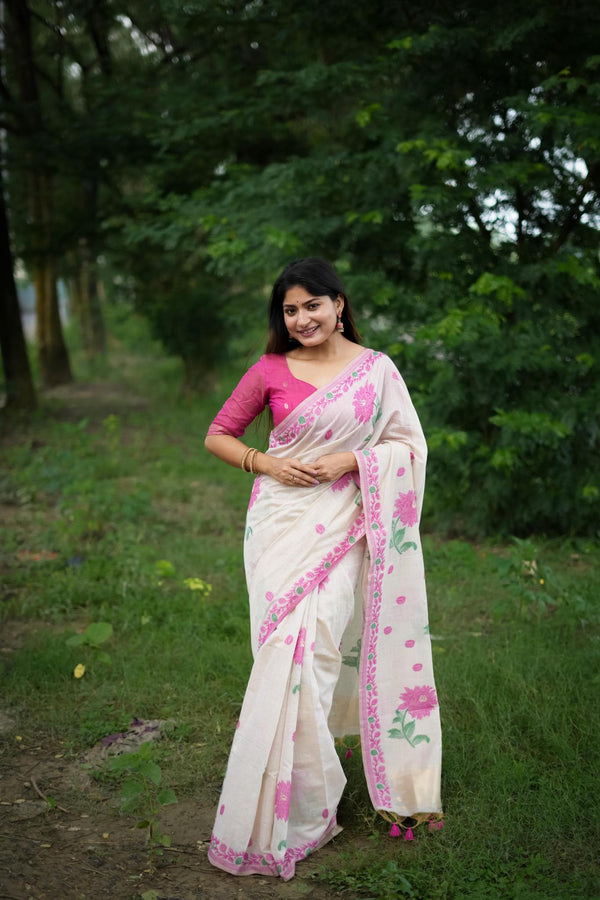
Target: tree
(448,159)
(54,361)
(20,392)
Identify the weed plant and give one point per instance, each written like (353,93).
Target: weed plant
(115,514)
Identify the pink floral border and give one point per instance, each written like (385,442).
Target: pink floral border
(244,863)
(374,761)
(311,408)
(280,608)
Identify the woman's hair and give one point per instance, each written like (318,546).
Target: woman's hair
(318,277)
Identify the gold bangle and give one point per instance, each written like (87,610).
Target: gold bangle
(252,460)
(243,462)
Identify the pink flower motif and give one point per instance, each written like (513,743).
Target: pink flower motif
(325,813)
(341,483)
(289,639)
(269,596)
(390,570)
(299,651)
(400,471)
(255,492)
(400,600)
(222,810)
(406,508)
(364,401)
(387,629)
(328,434)
(417,667)
(409,643)
(324,582)
(319,528)
(419,701)
(282,800)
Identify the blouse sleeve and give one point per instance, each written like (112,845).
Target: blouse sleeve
(246,402)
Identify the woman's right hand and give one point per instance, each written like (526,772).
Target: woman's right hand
(292,472)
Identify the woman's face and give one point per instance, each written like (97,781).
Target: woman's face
(309,319)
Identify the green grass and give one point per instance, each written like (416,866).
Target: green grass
(112,486)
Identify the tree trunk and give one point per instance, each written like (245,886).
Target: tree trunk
(54,359)
(20,392)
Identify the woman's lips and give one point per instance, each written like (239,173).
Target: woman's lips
(308,331)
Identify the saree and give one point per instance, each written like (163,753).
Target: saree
(339,631)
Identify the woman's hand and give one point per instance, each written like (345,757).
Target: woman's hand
(292,472)
(334,465)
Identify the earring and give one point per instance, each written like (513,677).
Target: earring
(339,325)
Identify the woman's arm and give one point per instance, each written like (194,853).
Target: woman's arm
(287,471)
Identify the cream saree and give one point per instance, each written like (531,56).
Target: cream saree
(339,627)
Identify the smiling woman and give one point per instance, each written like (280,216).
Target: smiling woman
(343,474)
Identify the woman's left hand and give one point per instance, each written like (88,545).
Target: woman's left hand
(334,465)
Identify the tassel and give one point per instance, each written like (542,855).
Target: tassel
(348,753)
(394,831)
(409,836)
(436,825)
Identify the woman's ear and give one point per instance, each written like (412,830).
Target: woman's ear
(339,304)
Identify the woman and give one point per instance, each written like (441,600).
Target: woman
(336,584)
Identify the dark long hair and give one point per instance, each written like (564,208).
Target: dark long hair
(319,278)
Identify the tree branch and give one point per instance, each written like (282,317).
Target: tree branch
(473,209)
(575,211)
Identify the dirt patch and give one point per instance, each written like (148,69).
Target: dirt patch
(91,851)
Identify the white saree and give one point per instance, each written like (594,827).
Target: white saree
(340,632)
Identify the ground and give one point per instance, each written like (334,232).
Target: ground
(90,851)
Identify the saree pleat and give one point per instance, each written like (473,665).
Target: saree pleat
(339,631)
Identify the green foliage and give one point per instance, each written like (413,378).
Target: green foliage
(140,778)
(446,159)
(94,636)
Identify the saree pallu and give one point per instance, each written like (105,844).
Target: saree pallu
(339,629)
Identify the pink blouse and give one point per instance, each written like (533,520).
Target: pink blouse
(267,382)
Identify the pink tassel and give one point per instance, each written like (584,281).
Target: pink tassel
(408,835)
(394,831)
(436,825)
(348,753)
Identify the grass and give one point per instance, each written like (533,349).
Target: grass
(102,494)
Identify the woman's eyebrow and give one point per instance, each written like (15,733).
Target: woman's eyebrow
(304,303)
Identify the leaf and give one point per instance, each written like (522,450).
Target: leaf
(98,632)
(75,640)
(395,733)
(105,658)
(419,738)
(166,797)
(409,728)
(131,788)
(151,771)
(408,545)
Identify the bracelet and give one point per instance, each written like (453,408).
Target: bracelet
(243,462)
(252,458)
